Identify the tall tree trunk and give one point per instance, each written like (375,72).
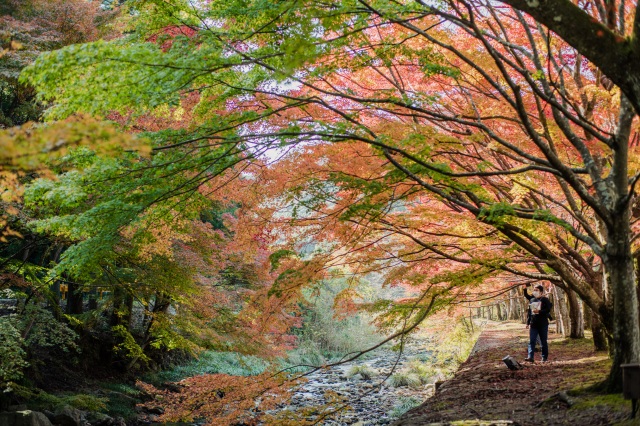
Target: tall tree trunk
(575,316)
(598,331)
(514,306)
(564,312)
(626,330)
(560,327)
(617,258)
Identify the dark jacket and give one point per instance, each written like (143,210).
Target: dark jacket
(540,319)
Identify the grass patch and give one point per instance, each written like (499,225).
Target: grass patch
(613,401)
(211,362)
(41,400)
(426,373)
(404,404)
(402,379)
(122,399)
(630,422)
(363,371)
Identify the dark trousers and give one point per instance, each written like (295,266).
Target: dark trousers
(540,331)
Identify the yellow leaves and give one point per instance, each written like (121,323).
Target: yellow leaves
(33,146)
(599,93)
(12,45)
(519,193)
(155,236)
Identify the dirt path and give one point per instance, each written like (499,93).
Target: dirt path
(485,389)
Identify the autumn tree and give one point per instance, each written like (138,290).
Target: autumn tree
(605,32)
(163,265)
(476,106)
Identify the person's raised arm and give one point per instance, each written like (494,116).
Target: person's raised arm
(526,293)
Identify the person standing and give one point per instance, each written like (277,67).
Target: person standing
(538,322)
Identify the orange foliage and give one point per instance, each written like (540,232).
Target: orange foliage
(220,399)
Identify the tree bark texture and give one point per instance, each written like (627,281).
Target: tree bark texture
(563,311)
(575,316)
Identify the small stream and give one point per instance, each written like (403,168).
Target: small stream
(369,401)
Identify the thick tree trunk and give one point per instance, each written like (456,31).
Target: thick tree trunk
(560,327)
(626,330)
(598,331)
(575,316)
(617,257)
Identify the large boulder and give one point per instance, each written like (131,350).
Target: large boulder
(24,418)
(68,416)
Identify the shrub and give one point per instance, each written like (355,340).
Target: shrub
(424,372)
(404,378)
(86,402)
(45,401)
(364,371)
(333,335)
(211,362)
(12,355)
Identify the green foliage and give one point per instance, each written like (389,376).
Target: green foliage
(87,402)
(457,345)
(128,346)
(424,372)
(122,399)
(211,362)
(12,355)
(323,335)
(35,331)
(496,212)
(44,331)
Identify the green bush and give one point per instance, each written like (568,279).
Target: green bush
(12,355)
(42,400)
(122,399)
(211,362)
(364,371)
(86,402)
(424,372)
(457,345)
(404,378)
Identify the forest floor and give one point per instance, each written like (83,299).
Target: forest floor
(554,393)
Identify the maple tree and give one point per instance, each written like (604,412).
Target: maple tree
(473,106)
(159,265)
(451,147)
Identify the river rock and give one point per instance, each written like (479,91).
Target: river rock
(68,416)
(101,419)
(24,418)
